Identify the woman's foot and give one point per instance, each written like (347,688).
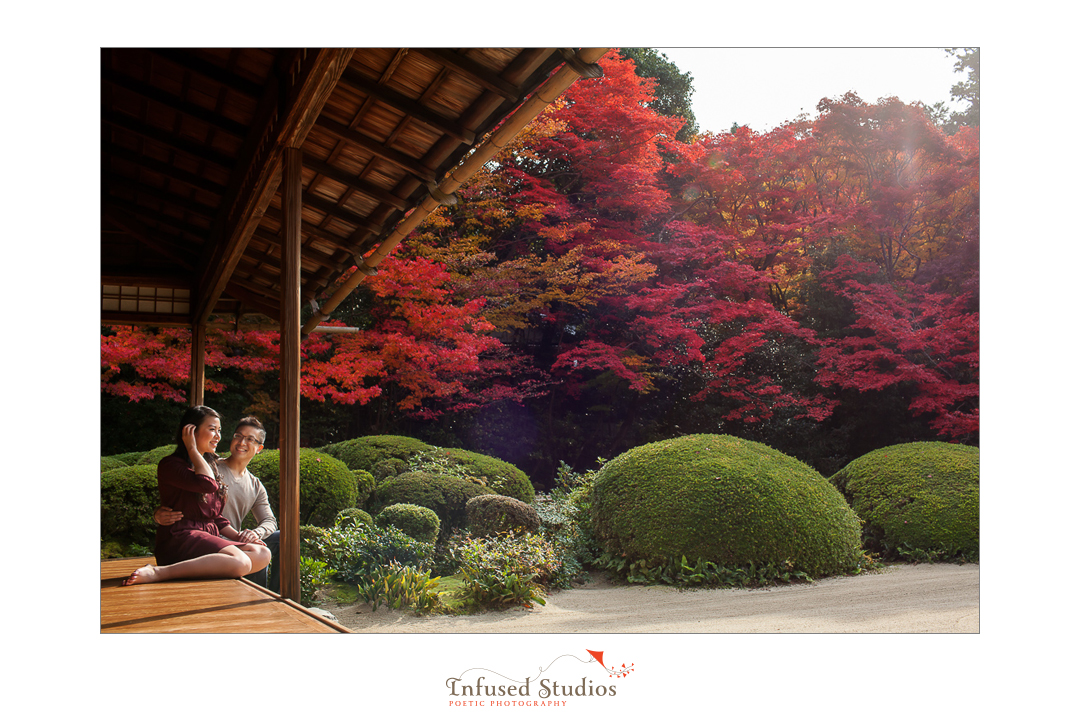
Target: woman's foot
(145,574)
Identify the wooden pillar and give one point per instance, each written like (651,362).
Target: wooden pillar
(289,434)
(198,365)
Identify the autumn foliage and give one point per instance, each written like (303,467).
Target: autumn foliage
(620,284)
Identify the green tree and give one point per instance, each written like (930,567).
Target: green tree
(673,87)
(967,90)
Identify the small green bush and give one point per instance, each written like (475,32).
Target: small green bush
(111,463)
(415,521)
(724,500)
(363,453)
(365,487)
(153,457)
(445,494)
(492,514)
(921,496)
(351,517)
(129,496)
(326,486)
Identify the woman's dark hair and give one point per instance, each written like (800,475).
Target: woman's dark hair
(252,421)
(192,416)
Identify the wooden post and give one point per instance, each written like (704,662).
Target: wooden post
(198,365)
(289,435)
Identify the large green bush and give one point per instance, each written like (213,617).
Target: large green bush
(720,499)
(447,495)
(128,458)
(153,457)
(111,463)
(327,486)
(129,496)
(922,496)
(364,453)
(499,475)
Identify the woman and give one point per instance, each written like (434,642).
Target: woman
(203,544)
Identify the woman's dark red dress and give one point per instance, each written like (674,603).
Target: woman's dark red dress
(195,495)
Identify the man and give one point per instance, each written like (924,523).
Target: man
(246,494)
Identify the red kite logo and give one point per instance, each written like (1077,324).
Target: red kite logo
(612,671)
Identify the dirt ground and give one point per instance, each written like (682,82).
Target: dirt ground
(901,599)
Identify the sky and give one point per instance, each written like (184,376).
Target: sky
(764,87)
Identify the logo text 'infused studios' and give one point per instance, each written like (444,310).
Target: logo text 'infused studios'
(575,678)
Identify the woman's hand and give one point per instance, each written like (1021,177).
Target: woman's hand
(188,436)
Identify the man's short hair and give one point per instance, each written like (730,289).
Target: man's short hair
(252,421)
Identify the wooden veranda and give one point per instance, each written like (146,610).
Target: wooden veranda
(196,606)
(249,182)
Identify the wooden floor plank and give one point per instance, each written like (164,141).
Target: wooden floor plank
(198,606)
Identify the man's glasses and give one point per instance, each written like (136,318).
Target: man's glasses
(246,439)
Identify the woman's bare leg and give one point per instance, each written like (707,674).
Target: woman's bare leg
(258,555)
(229,562)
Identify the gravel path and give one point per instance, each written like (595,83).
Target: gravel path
(902,599)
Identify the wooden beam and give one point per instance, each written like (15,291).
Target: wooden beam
(167,247)
(474,71)
(158,135)
(403,161)
(409,107)
(115,152)
(161,97)
(306,87)
(289,432)
(361,186)
(198,365)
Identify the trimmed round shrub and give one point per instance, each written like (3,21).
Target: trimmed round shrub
(500,476)
(153,457)
(363,453)
(111,463)
(129,496)
(492,514)
(923,495)
(326,486)
(445,494)
(352,517)
(365,487)
(415,521)
(128,458)
(724,500)
(388,468)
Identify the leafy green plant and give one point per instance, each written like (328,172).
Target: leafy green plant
(313,574)
(489,587)
(356,552)
(400,587)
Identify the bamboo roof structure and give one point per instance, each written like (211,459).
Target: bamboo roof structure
(191,162)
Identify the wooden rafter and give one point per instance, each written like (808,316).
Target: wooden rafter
(312,78)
